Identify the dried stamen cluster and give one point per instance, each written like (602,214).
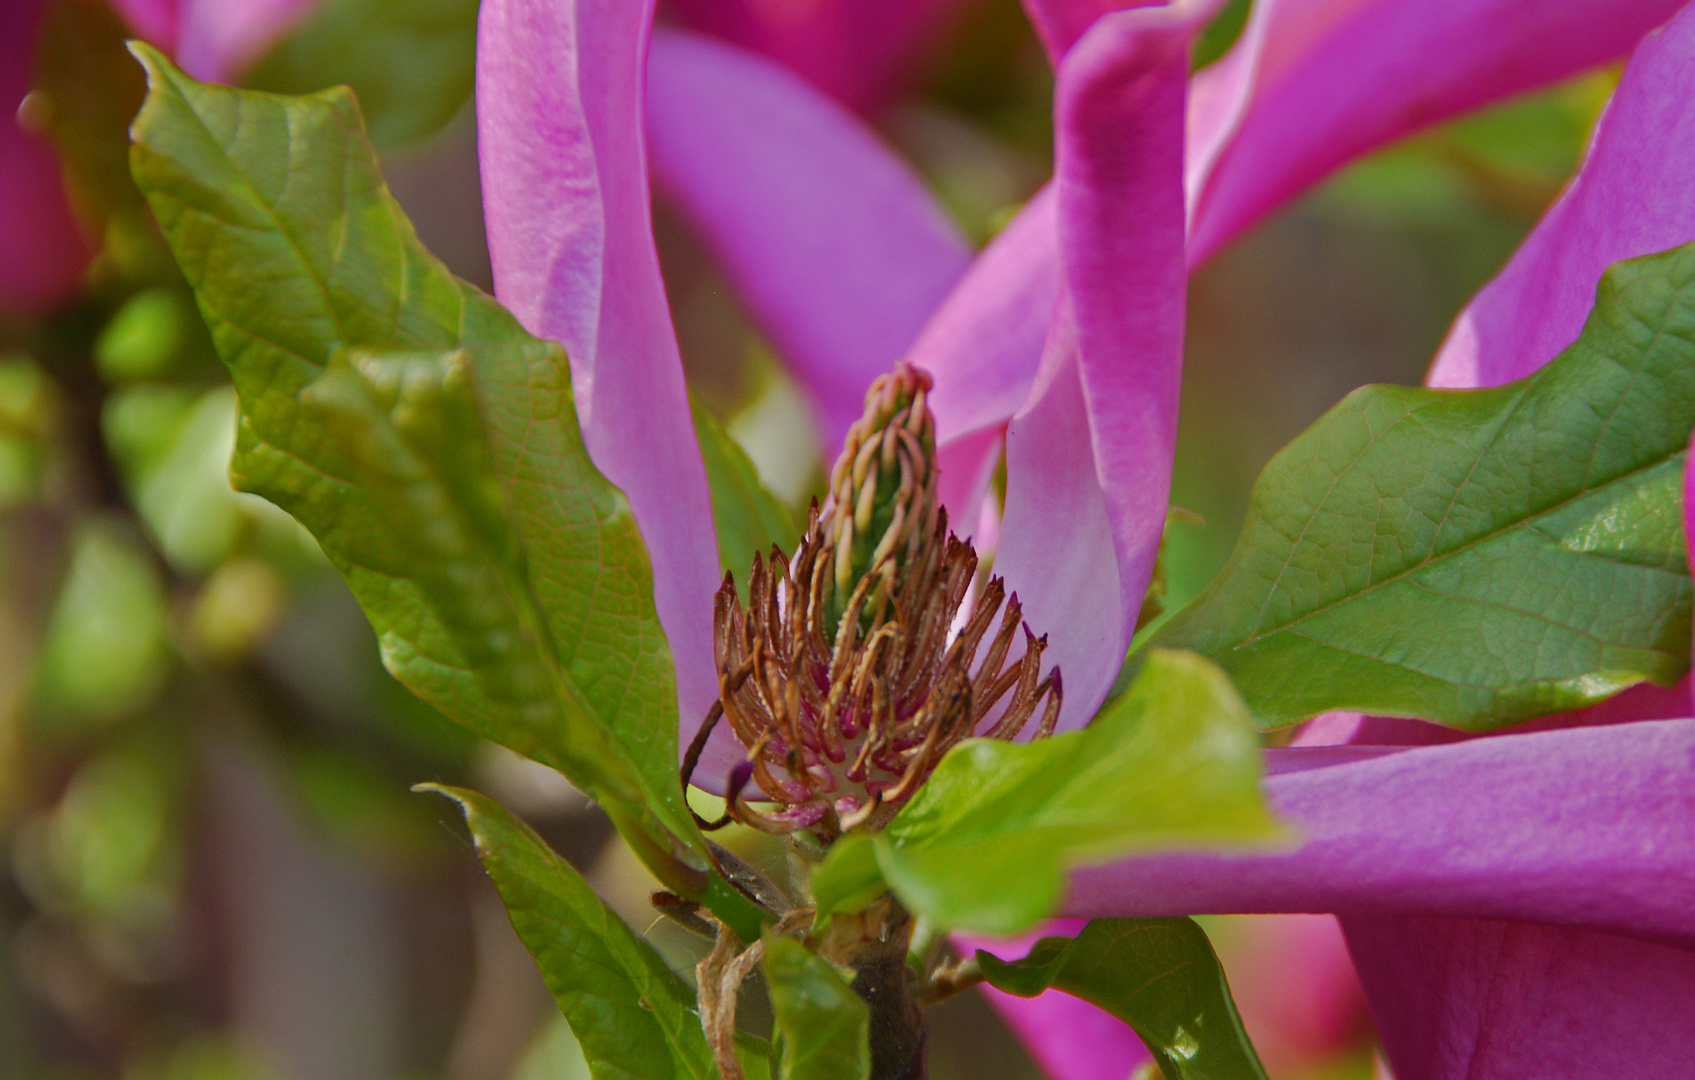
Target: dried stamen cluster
(842,676)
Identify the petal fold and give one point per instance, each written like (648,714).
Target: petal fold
(1320,82)
(1094,446)
(1580,826)
(1630,198)
(565,195)
(830,238)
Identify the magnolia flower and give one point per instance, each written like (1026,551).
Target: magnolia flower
(45,253)
(1064,340)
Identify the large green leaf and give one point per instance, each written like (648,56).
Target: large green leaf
(410,61)
(823,1028)
(749,518)
(278,215)
(633,1017)
(1160,976)
(986,842)
(1476,557)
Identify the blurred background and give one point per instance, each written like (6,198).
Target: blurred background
(211,867)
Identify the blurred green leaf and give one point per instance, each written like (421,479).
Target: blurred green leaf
(146,337)
(748,517)
(823,1028)
(409,61)
(105,653)
(630,1014)
(278,213)
(554,1055)
(986,842)
(1160,976)
(28,409)
(1477,557)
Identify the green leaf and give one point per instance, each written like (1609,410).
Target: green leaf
(632,1016)
(986,842)
(749,518)
(278,215)
(823,1028)
(849,880)
(1160,976)
(411,62)
(1477,557)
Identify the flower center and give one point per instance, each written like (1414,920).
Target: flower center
(848,674)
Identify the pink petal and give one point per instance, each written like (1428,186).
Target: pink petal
(983,343)
(1584,826)
(215,39)
(43,255)
(1294,985)
(1334,79)
(155,21)
(830,238)
(1475,999)
(858,51)
(1093,449)
(1059,23)
(1631,198)
(559,115)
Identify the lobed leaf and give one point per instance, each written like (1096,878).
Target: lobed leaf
(822,1028)
(1479,557)
(986,842)
(1160,976)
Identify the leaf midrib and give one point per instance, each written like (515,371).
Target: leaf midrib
(1426,563)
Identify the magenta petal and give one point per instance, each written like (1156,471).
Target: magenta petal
(858,51)
(1059,23)
(1475,999)
(1631,198)
(43,254)
(217,38)
(1334,79)
(155,21)
(1070,1038)
(1584,826)
(830,238)
(559,115)
(1094,448)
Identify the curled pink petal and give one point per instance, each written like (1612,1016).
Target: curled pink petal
(1631,198)
(858,51)
(559,115)
(831,239)
(1094,447)
(1582,826)
(1059,23)
(1462,999)
(1321,82)
(44,253)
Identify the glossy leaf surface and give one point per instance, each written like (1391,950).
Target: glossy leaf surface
(278,215)
(985,844)
(1160,976)
(1476,557)
(822,1026)
(633,1017)
(409,61)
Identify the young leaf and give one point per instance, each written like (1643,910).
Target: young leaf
(411,62)
(822,1026)
(749,518)
(985,844)
(1160,976)
(1476,557)
(278,215)
(632,1016)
